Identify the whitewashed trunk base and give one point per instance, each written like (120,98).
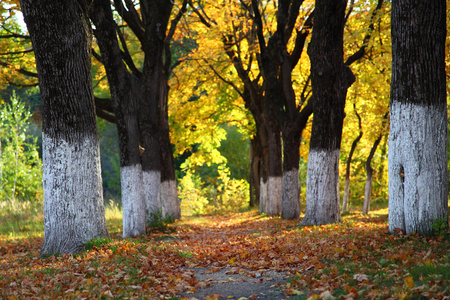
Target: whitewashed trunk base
(346,195)
(417,167)
(73,195)
(272,203)
(262,196)
(133,204)
(169,199)
(290,202)
(322,188)
(152,181)
(367,195)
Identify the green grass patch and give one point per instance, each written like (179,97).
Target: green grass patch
(21,219)
(430,271)
(159,223)
(97,243)
(24,219)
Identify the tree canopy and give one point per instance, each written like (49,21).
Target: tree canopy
(216,48)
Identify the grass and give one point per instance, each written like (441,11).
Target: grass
(26,219)
(358,245)
(21,219)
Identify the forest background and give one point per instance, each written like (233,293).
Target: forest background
(210,127)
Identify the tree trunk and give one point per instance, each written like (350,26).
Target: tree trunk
(124,94)
(255,169)
(369,170)
(349,161)
(168,189)
(156,17)
(274,184)
(418,134)
(290,206)
(330,79)
(264,170)
(149,127)
(73,194)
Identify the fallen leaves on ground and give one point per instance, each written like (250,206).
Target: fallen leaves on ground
(350,260)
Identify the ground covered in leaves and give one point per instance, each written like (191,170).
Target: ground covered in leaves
(354,259)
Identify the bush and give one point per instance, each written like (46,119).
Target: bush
(20,165)
(225,195)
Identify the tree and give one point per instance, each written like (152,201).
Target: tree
(224,54)
(123,88)
(369,169)
(418,127)
(73,196)
(151,24)
(20,165)
(16,53)
(282,111)
(264,83)
(349,160)
(330,79)
(140,81)
(369,26)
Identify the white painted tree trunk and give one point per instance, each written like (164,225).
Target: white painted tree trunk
(262,196)
(346,195)
(291,194)
(274,193)
(322,188)
(72,183)
(73,194)
(152,181)
(168,195)
(417,167)
(367,195)
(133,202)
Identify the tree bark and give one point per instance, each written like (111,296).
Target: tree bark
(73,194)
(280,103)
(418,133)
(290,205)
(274,184)
(168,189)
(155,15)
(349,161)
(369,170)
(255,169)
(330,79)
(123,88)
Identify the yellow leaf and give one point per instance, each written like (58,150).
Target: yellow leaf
(409,282)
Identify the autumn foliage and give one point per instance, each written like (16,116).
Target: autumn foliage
(354,259)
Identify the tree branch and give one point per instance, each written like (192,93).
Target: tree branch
(204,19)
(104,104)
(225,80)
(167,41)
(362,50)
(126,56)
(293,12)
(17,52)
(97,56)
(259,27)
(302,34)
(105,116)
(15,35)
(22,85)
(350,9)
(21,70)
(131,16)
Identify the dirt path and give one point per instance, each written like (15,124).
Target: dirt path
(234,259)
(237,283)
